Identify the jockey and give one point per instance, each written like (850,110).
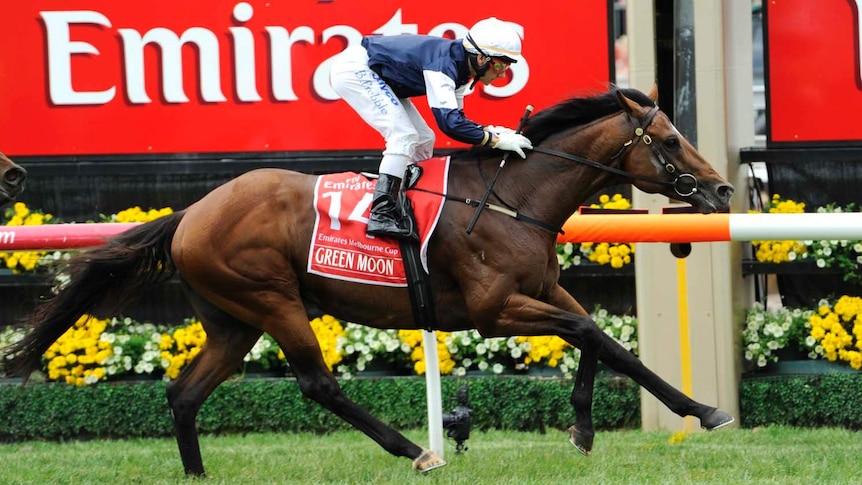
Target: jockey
(378,77)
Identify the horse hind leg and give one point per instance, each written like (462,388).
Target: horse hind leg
(302,350)
(228,341)
(581,434)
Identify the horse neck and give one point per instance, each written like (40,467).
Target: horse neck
(550,188)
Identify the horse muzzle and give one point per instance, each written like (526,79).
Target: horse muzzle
(12,183)
(712,198)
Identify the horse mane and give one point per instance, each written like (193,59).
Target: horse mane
(575,111)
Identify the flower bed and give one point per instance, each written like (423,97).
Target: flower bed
(616,255)
(31,261)
(832,331)
(95,350)
(844,254)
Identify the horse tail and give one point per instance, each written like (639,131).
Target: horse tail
(101,282)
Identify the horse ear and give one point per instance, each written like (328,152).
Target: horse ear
(629,106)
(653,93)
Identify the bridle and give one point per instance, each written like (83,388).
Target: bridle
(684,184)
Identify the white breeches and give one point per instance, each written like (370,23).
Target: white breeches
(408,137)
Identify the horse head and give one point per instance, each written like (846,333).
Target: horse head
(618,137)
(674,167)
(12,178)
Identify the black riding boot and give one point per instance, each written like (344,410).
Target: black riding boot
(386,211)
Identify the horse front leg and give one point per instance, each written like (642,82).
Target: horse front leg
(623,361)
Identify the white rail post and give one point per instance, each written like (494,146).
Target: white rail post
(434,395)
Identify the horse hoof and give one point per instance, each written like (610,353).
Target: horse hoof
(716,419)
(428,461)
(581,442)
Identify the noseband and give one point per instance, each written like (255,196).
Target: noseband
(684,184)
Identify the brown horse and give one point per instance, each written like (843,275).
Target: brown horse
(241,253)
(12,178)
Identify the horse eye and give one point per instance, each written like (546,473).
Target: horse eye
(672,143)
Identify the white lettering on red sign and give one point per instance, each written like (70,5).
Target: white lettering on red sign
(61,48)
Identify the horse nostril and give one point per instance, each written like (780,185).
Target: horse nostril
(15,176)
(725,191)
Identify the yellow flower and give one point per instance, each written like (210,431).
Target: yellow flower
(829,327)
(136,214)
(78,352)
(327,329)
(677,438)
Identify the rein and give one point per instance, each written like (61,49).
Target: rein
(685,184)
(496,208)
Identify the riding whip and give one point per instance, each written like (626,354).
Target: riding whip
(484,201)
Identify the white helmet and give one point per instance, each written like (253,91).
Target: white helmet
(494,38)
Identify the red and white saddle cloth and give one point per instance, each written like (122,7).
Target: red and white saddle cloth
(340,249)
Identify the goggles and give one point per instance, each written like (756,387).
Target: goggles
(499,66)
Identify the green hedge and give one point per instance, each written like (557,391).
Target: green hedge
(804,401)
(139,409)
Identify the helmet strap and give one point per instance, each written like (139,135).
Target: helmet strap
(480,70)
(474,61)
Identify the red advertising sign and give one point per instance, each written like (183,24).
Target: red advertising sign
(814,78)
(82,77)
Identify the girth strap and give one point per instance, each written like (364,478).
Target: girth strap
(418,282)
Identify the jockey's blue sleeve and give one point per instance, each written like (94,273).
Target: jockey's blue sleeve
(413,65)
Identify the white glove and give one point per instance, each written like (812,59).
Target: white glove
(513,142)
(498,129)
